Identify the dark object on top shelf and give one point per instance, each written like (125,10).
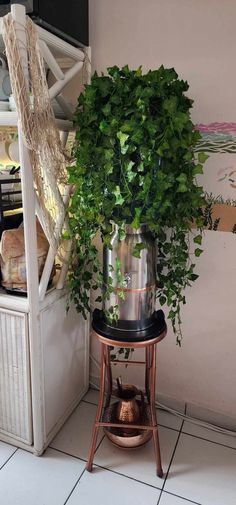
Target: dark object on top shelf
(14,170)
(9,202)
(12,221)
(67,20)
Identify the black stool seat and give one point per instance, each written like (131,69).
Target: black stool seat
(100,326)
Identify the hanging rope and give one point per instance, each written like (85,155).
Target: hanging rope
(40,133)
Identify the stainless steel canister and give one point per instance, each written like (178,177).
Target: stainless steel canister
(139,278)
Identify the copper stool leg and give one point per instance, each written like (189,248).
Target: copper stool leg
(109,376)
(147,372)
(153,411)
(99,409)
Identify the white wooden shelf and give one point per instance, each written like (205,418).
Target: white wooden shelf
(10,118)
(21,303)
(44,351)
(14,302)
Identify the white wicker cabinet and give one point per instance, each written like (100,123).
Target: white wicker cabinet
(44,352)
(63,372)
(15,404)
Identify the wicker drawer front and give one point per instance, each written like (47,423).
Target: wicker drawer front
(15,401)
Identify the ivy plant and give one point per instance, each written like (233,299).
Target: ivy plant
(135,164)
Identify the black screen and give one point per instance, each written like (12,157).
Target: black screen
(71,17)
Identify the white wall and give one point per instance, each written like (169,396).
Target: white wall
(198,38)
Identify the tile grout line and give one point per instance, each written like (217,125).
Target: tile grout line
(118,473)
(90,403)
(99,444)
(168,427)
(67,454)
(172,457)
(73,488)
(105,468)
(127,477)
(72,455)
(122,474)
(180,431)
(9,458)
(188,500)
(208,440)
(80,459)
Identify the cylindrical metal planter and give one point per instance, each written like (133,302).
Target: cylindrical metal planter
(139,274)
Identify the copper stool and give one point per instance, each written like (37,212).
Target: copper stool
(146,339)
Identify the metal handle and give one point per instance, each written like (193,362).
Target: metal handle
(142,402)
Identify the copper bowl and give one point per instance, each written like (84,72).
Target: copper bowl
(128,438)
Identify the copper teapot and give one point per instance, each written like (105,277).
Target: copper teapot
(128,409)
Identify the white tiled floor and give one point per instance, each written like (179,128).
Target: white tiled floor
(6,452)
(199,466)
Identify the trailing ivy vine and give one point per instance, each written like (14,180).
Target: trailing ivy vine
(135,164)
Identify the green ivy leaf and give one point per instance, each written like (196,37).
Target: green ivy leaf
(198,252)
(121,231)
(108,154)
(136,221)
(121,295)
(198,170)
(104,127)
(162,300)
(107,239)
(171,314)
(198,239)
(140,167)
(137,249)
(202,157)
(170,104)
(138,72)
(119,198)
(182,178)
(106,109)
(193,277)
(129,172)
(108,167)
(188,156)
(118,263)
(123,137)
(66,235)
(182,188)
(126,127)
